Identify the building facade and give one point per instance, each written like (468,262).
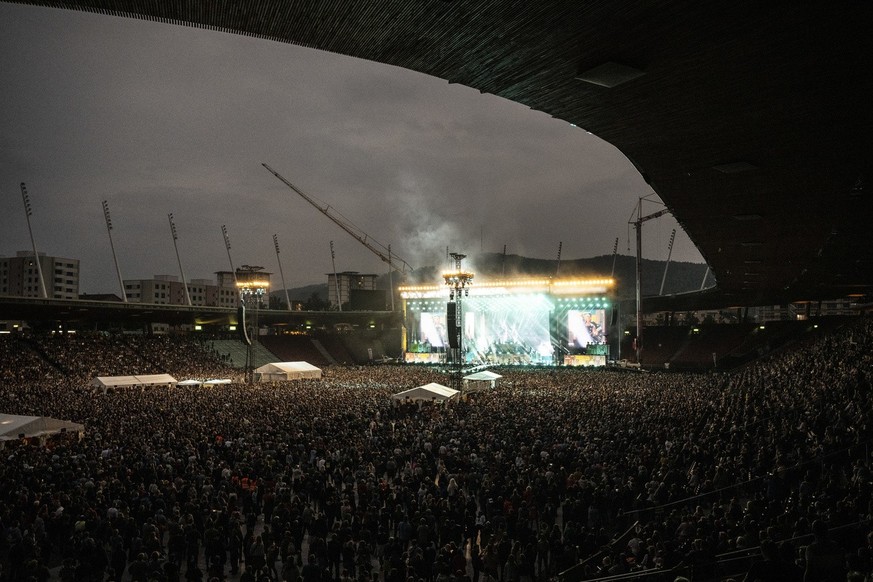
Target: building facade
(341,286)
(168,290)
(19,276)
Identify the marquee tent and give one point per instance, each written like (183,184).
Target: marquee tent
(189,383)
(480,381)
(428,392)
(143,380)
(287,371)
(13,426)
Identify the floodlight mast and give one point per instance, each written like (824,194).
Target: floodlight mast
(28,211)
(112,246)
(178,259)
(375,247)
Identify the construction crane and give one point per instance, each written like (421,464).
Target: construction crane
(638,225)
(362,237)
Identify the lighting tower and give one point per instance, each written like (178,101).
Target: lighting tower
(178,259)
(281,272)
(28,211)
(458,282)
(112,246)
(227,246)
(253,286)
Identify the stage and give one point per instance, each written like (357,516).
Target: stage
(524,322)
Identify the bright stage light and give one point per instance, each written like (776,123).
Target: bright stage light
(514,322)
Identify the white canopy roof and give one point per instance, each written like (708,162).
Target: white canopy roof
(484,375)
(189,383)
(432,391)
(287,367)
(480,381)
(288,370)
(142,380)
(12,426)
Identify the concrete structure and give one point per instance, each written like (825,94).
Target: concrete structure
(805,310)
(19,276)
(345,283)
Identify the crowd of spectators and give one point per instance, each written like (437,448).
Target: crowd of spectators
(605,472)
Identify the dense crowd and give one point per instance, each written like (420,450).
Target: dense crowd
(608,472)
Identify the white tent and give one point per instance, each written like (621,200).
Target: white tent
(217,381)
(189,383)
(428,392)
(287,371)
(480,381)
(14,427)
(105,382)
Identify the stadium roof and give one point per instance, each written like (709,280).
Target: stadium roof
(751,120)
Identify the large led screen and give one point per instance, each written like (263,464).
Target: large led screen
(586,327)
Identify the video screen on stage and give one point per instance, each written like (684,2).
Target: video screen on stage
(554,322)
(496,329)
(512,328)
(586,327)
(433,332)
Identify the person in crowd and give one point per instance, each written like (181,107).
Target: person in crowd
(543,473)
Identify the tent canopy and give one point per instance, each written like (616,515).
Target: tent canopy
(287,371)
(484,375)
(428,392)
(141,380)
(189,383)
(13,426)
(480,381)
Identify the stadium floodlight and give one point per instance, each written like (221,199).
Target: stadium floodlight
(28,211)
(178,259)
(281,273)
(112,247)
(229,260)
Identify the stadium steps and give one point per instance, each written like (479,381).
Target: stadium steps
(683,347)
(318,346)
(335,346)
(295,348)
(359,348)
(236,350)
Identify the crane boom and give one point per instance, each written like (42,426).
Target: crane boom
(657,214)
(359,235)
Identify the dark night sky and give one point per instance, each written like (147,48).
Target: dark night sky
(160,119)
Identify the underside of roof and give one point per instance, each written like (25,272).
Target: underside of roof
(750,120)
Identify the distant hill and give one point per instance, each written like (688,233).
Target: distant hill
(682,277)
(302,293)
